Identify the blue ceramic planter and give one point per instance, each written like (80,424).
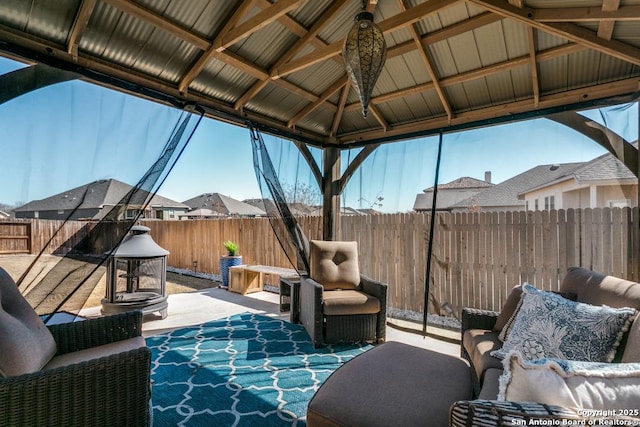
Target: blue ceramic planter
(225,263)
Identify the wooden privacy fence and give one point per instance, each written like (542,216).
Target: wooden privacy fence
(477,257)
(15,237)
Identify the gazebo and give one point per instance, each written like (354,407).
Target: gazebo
(278,66)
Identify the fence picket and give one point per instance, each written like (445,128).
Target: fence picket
(477,256)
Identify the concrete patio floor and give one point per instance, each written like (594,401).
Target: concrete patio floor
(192,308)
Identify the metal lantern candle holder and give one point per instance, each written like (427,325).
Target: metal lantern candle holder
(136,275)
(364,52)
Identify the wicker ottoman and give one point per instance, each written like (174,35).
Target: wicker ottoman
(393,384)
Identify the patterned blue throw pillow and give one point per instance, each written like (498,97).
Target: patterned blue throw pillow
(548,325)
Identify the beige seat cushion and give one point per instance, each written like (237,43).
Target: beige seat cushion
(632,349)
(26,345)
(96,352)
(479,343)
(349,302)
(597,289)
(334,264)
(509,307)
(491,384)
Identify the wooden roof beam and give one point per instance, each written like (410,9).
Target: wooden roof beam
(212,51)
(343,100)
(302,42)
(533,63)
(379,117)
(588,14)
(79,25)
(605,28)
(339,84)
(400,20)
(602,91)
(159,22)
(255,23)
(428,64)
(478,73)
(440,35)
(572,32)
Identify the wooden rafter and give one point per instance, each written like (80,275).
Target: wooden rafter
(572,32)
(605,28)
(325,95)
(396,22)
(588,14)
(343,100)
(211,50)
(158,21)
(521,61)
(548,101)
(301,43)
(378,116)
(79,25)
(428,64)
(255,23)
(533,63)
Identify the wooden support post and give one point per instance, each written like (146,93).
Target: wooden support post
(330,193)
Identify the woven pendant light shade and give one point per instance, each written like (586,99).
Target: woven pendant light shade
(364,54)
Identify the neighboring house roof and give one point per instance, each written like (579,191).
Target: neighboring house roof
(602,168)
(97,195)
(223,205)
(464,182)
(449,193)
(506,193)
(4,214)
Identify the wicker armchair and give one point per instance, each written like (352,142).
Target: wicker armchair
(337,303)
(98,373)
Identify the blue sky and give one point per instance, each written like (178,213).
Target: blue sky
(69,134)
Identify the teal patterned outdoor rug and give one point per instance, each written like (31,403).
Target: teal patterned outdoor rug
(244,370)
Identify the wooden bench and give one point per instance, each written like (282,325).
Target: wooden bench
(245,279)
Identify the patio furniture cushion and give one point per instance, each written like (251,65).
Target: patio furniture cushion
(548,325)
(597,289)
(585,385)
(96,352)
(509,307)
(27,345)
(632,349)
(345,302)
(490,384)
(479,343)
(393,384)
(334,264)
(512,306)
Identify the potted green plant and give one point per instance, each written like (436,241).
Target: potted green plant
(231,259)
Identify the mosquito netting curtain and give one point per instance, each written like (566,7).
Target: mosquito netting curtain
(76,153)
(447,220)
(514,202)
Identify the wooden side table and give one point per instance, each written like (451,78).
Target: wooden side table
(290,297)
(244,280)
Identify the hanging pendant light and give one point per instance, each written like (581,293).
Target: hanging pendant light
(364,54)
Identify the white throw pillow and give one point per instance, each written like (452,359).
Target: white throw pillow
(548,325)
(572,384)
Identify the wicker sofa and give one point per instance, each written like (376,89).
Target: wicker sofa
(94,372)
(481,329)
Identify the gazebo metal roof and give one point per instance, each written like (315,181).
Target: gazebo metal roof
(451,63)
